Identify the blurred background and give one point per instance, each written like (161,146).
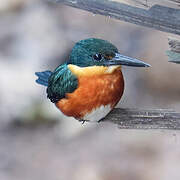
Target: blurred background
(37,142)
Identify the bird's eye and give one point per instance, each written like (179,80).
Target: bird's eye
(97,57)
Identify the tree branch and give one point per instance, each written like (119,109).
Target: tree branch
(174,52)
(158,17)
(144,119)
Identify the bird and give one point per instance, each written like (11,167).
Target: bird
(90,83)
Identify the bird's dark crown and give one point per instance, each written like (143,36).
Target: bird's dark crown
(91,52)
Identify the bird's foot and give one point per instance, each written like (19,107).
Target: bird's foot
(82,121)
(100,120)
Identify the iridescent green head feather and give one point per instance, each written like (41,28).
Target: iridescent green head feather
(91,52)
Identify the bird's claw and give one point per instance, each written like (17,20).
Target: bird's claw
(100,120)
(82,121)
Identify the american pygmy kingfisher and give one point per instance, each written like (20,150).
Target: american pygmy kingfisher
(90,84)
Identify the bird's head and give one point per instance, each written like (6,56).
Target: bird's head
(98,52)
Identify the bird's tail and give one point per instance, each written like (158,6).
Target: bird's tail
(43,77)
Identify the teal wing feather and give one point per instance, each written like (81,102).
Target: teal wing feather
(60,82)
(43,77)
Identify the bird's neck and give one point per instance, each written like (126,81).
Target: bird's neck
(92,70)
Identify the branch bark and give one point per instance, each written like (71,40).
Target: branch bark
(144,119)
(174,52)
(158,17)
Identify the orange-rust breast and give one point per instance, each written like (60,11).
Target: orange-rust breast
(92,92)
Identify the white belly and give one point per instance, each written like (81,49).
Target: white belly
(98,113)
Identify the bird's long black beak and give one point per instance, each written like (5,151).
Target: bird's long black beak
(120,59)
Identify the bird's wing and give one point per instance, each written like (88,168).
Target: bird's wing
(43,77)
(61,81)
